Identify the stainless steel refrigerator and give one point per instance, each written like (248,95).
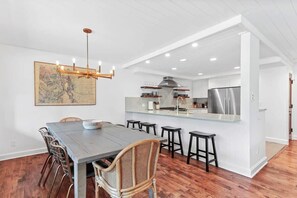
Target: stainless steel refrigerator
(224,100)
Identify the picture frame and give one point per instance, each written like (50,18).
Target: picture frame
(54,89)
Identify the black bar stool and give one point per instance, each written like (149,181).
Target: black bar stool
(171,143)
(205,136)
(148,126)
(133,122)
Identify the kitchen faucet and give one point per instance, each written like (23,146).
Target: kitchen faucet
(177,103)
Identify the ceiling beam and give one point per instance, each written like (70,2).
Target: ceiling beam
(190,39)
(250,27)
(270,60)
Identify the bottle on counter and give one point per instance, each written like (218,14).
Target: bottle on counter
(157,105)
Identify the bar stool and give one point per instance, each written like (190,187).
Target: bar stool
(148,126)
(204,136)
(133,122)
(171,143)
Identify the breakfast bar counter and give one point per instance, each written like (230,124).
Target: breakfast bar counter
(190,114)
(232,137)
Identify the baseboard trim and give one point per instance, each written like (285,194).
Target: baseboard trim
(276,140)
(258,166)
(29,152)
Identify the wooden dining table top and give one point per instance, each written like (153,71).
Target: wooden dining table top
(85,145)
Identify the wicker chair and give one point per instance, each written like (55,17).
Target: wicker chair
(47,137)
(132,171)
(70,119)
(60,154)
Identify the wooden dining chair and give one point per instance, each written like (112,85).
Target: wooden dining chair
(132,171)
(70,119)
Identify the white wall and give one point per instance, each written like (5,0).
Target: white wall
(20,119)
(274,96)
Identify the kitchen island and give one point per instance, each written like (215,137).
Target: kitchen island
(232,137)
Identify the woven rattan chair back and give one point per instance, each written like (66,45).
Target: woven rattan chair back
(70,119)
(132,171)
(47,137)
(61,155)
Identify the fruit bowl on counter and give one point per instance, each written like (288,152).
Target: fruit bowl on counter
(92,124)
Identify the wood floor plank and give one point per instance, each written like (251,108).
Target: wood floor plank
(175,178)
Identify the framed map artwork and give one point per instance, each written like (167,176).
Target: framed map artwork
(52,88)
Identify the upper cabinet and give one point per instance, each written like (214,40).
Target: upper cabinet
(225,81)
(200,88)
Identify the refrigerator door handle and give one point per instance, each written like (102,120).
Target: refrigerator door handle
(230,106)
(226,106)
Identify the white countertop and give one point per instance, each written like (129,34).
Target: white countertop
(194,115)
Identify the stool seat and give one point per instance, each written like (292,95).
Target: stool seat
(169,128)
(148,125)
(202,134)
(133,122)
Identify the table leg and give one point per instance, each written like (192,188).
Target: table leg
(151,193)
(80,179)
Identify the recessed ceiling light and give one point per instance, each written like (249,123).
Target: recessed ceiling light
(183,60)
(147,61)
(237,67)
(200,74)
(213,59)
(194,44)
(174,68)
(167,54)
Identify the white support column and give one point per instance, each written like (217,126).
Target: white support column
(250,100)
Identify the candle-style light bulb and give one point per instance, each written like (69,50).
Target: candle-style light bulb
(99,66)
(57,62)
(73,61)
(62,67)
(113,70)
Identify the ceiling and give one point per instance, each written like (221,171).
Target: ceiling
(224,46)
(126,30)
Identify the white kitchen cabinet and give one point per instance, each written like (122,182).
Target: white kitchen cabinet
(226,81)
(200,88)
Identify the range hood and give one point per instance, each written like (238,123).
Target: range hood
(168,82)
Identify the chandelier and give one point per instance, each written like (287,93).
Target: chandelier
(87,73)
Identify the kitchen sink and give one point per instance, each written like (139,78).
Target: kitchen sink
(173,109)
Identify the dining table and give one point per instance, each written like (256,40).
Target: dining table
(88,145)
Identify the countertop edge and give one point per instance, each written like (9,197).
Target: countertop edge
(198,116)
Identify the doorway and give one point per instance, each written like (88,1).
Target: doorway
(290,106)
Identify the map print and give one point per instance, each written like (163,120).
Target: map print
(52,88)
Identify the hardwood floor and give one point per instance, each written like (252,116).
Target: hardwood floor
(19,178)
